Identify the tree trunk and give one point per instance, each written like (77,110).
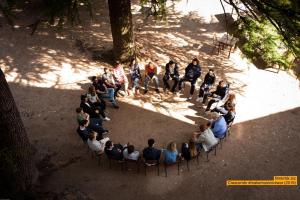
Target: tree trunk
(121,28)
(17,169)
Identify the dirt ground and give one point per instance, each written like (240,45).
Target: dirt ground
(47,73)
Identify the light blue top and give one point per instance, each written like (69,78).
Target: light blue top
(220,127)
(170,156)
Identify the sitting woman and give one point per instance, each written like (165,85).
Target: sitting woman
(84,116)
(94,99)
(114,151)
(189,150)
(85,129)
(89,108)
(171,153)
(230,102)
(130,153)
(206,137)
(94,144)
(230,115)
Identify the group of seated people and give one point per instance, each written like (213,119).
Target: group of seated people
(92,111)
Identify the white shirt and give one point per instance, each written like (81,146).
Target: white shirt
(207,139)
(96,145)
(133,156)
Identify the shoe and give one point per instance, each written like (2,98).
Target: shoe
(116,106)
(157,91)
(145,92)
(189,98)
(199,99)
(106,119)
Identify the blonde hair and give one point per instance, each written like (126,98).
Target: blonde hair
(172,146)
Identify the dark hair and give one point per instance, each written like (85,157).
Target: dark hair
(108,144)
(151,142)
(211,70)
(105,68)
(117,62)
(78,110)
(82,97)
(93,78)
(171,62)
(92,135)
(196,59)
(130,149)
(83,122)
(202,127)
(208,124)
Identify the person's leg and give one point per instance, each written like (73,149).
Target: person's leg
(156,82)
(210,103)
(166,83)
(175,80)
(118,87)
(146,82)
(193,82)
(96,121)
(180,83)
(201,90)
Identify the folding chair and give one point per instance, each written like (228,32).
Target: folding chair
(178,161)
(151,163)
(136,162)
(213,148)
(118,161)
(193,158)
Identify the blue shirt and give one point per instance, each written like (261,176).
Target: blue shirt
(219,127)
(170,156)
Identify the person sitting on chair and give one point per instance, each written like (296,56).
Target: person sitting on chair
(136,77)
(218,95)
(103,91)
(94,112)
(171,72)
(192,73)
(94,99)
(208,82)
(171,153)
(151,74)
(230,102)
(219,125)
(130,153)
(120,76)
(114,150)
(230,115)
(109,81)
(189,150)
(151,153)
(84,116)
(205,138)
(94,144)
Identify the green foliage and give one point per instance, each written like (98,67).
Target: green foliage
(264,42)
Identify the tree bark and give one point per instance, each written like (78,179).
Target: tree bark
(121,28)
(17,169)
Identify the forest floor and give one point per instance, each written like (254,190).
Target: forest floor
(47,72)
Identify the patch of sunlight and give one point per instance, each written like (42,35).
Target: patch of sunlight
(192,52)
(176,41)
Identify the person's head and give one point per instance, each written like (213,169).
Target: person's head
(92,89)
(83,98)
(108,144)
(93,135)
(195,61)
(79,110)
(105,70)
(117,64)
(215,115)
(171,63)
(172,146)
(202,127)
(222,83)
(83,123)
(94,79)
(151,142)
(230,107)
(130,149)
(231,97)
(211,71)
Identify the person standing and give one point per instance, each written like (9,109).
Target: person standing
(120,76)
(136,77)
(192,73)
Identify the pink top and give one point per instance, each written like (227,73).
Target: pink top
(119,74)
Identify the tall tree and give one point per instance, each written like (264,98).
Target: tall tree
(121,28)
(17,169)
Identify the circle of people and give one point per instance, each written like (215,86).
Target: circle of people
(92,110)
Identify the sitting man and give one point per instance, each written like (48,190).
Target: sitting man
(85,128)
(103,91)
(192,73)
(171,72)
(208,82)
(205,138)
(109,81)
(219,94)
(151,74)
(151,153)
(114,151)
(130,153)
(84,116)
(94,112)
(219,125)
(95,145)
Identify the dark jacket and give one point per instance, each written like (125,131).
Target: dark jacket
(116,152)
(151,153)
(221,91)
(89,109)
(135,72)
(169,74)
(192,72)
(208,79)
(84,134)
